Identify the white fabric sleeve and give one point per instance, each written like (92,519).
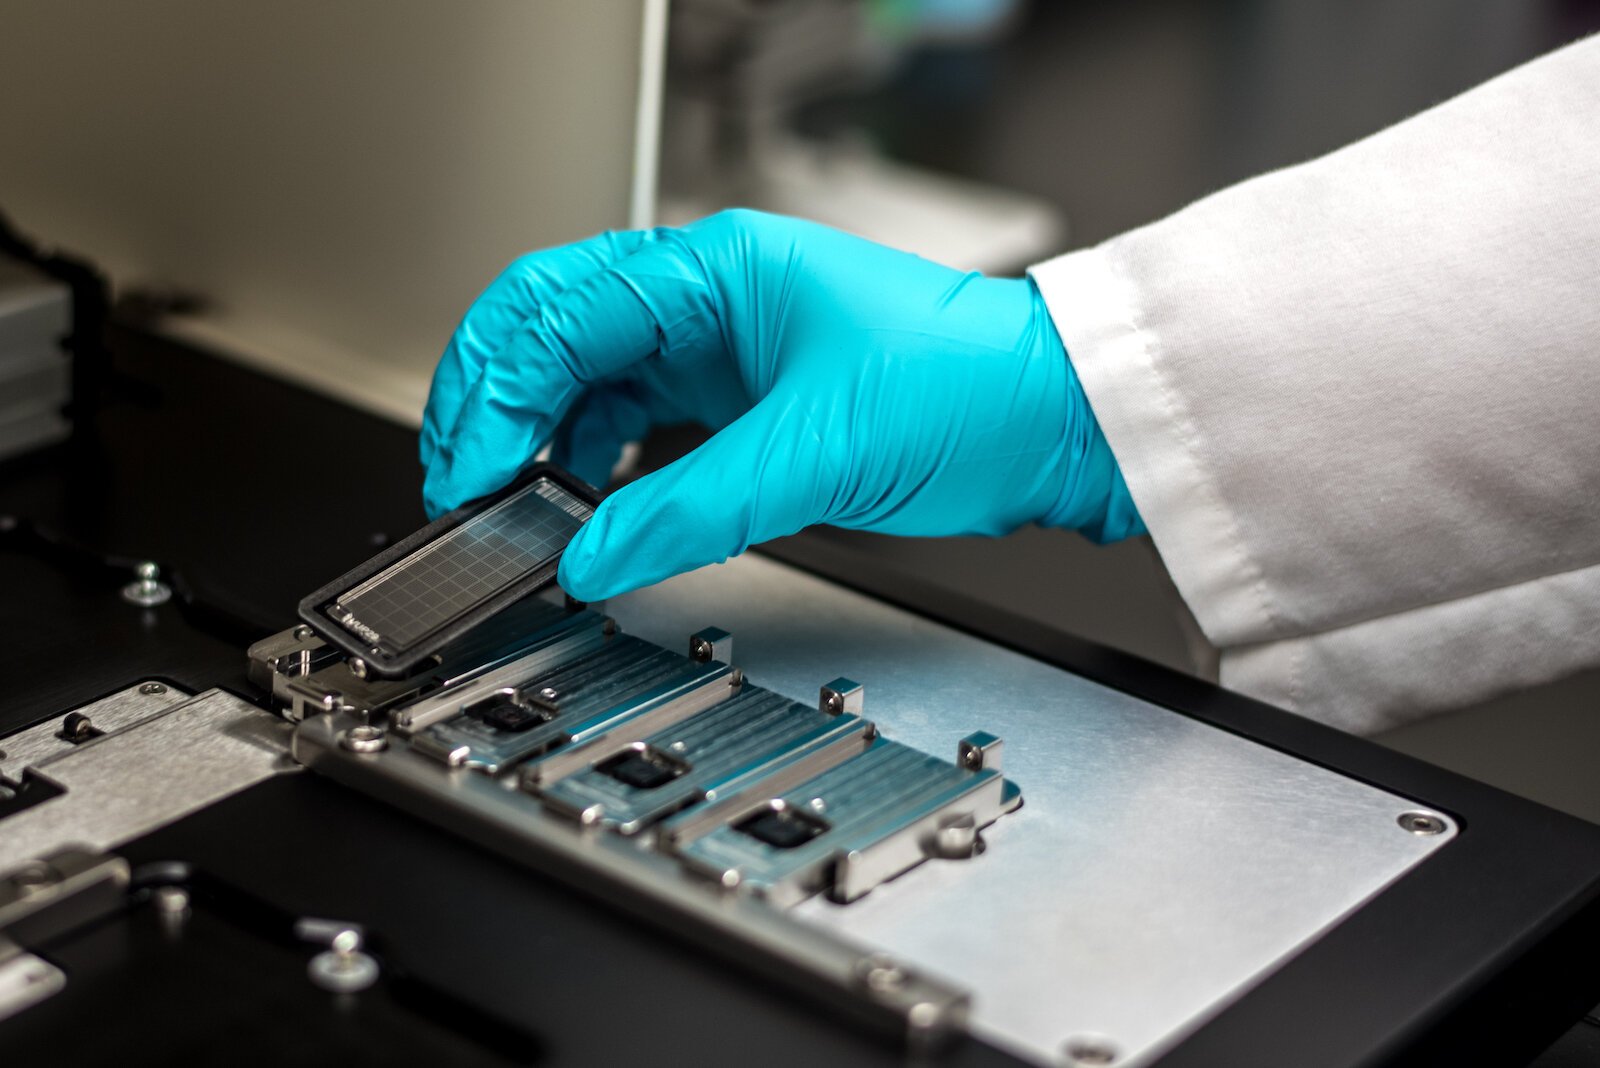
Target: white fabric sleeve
(1357,402)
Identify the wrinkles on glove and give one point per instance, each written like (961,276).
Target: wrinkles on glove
(846,382)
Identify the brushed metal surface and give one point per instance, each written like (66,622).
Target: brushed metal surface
(30,746)
(920,1009)
(1159,868)
(159,768)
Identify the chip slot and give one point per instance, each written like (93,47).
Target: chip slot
(883,810)
(727,748)
(597,742)
(599,681)
(586,696)
(571,637)
(745,790)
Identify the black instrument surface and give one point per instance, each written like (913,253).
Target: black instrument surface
(483,962)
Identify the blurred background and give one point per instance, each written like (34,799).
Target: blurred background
(320,189)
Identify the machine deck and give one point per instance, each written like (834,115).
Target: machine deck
(1196,879)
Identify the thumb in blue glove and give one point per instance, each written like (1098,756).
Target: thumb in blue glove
(848,383)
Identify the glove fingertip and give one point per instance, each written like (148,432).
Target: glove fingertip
(578,573)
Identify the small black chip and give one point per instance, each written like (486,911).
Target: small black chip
(504,712)
(643,769)
(782,828)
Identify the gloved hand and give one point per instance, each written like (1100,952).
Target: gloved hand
(849,383)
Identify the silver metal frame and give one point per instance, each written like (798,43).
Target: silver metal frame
(167,759)
(892,996)
(1159,869)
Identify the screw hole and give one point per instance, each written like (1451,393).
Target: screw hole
(1090,1051)
(1422,824)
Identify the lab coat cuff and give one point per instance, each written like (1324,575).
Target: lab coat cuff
(1118,359)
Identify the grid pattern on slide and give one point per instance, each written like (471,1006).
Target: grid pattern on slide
(447,577)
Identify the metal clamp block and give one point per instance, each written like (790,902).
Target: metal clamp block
(843,695)
(979,751)
(710,644)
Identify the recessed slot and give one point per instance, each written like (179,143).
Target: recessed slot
(643,767)
(505,711)
(782,827)
(17,796)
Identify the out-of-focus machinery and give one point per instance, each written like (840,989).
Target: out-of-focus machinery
(739,71)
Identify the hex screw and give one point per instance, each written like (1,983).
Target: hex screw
(77,727)
(1089,1051)
(700,649)
(148,591)
(923,1017)
(150,689)
(33,877)
(172,905)
(1421,824)
(343,968)
(302,633)
(880,974)
(364,739)
(957,840)
(171,898)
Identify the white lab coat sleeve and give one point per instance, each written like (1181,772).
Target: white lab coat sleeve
(1357,402)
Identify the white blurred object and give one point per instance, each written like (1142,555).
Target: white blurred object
(334,183)
(739,70)
(959,223)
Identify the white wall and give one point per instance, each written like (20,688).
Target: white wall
(340,176)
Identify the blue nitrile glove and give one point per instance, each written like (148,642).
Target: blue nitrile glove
(849,384)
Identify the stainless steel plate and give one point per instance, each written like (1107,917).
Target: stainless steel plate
(1159,868)
(32,746)
(159,760)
